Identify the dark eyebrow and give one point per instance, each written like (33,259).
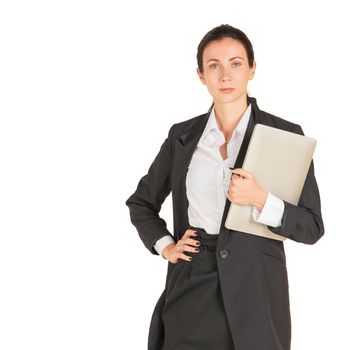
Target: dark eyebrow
(232,58)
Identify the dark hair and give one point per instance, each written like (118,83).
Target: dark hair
(220,32)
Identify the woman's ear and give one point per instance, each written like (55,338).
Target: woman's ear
(252,71)
(201,76)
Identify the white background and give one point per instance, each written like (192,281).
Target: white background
(88,92)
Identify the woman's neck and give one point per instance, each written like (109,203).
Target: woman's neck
(228,115)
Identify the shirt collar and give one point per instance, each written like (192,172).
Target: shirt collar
(213,136)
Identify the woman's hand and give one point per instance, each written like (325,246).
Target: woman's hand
(245,189)
(171,251)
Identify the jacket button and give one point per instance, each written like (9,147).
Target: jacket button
(224,253)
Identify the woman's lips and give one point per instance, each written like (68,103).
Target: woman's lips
(226,91)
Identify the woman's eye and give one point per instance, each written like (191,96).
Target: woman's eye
(236,64)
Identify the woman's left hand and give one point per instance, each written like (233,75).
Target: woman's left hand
(245,189)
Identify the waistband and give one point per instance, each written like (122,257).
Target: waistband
(206,239)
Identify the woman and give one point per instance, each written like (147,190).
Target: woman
(224,289)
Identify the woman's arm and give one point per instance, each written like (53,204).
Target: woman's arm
(303,223)
(145,203)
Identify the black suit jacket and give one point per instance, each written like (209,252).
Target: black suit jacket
(253,276)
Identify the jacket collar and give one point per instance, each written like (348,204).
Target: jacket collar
(198,126)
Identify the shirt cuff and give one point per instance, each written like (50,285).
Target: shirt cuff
(162,243)
(272,212)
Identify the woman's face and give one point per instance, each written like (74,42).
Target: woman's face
(225,65)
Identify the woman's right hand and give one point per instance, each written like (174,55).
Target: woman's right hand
(171,251)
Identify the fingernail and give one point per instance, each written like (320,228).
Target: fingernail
(190,259)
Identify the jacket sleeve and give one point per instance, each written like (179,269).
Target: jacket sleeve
(145,203)
(303,223)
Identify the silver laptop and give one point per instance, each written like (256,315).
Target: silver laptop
(280,161)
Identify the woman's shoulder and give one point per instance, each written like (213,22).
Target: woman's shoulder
(184,125)
(189,122)
(279,122)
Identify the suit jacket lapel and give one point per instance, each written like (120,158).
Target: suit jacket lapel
(185,146)
(253,119)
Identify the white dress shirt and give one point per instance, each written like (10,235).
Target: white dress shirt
(208,179)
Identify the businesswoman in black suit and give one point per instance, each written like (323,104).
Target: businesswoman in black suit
(224,289)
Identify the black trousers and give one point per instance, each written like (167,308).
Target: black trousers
(193,315)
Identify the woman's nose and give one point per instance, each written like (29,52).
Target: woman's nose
(226,74)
